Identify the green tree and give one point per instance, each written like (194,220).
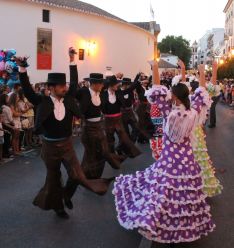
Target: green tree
(177,46)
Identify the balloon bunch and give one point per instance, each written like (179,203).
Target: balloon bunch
(9,73)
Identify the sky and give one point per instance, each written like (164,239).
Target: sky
(189,18)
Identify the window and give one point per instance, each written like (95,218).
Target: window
(45,15)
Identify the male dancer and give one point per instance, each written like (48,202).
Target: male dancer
(93,136)
(54,121)
(112,102)
(128,115)
(143,113)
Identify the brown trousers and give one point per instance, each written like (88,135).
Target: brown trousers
(95,155)
(53,155)
(114,125)
(144,121)
(129,119)
(96,150)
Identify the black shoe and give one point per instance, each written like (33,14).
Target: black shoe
(211,126)
(62,214)
(68,203)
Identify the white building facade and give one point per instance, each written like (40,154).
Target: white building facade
(170,58)
(229,27)
(209,45)
(105,39)
(193,63)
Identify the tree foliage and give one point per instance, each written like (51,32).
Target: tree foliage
(178,46)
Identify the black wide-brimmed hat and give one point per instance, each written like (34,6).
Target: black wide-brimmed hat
(112,80)
(126,81)
(95,78)
(56,78)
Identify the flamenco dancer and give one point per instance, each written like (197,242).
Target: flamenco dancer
(128,115)
(112,102)
(93,136)
(212,185)
(165,202)
(143,113)
(54,121)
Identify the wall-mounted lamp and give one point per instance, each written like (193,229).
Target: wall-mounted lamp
(91,47)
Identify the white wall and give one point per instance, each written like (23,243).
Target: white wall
(170,59)
(123,47)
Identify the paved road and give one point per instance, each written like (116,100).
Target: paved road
(93,221)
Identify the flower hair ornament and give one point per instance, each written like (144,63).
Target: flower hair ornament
(177,79)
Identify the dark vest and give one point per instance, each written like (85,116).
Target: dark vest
(112,108)
(88,109)
(128,102)
(54,129)
(141,94)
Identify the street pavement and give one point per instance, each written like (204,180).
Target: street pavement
(93,222)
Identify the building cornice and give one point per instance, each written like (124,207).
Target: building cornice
(227,6)
(109,17)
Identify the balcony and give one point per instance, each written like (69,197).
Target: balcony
(226,37)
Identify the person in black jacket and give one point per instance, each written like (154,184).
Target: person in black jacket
(143,113)
(128,115)
(112,102)
(54,121)
(93,135)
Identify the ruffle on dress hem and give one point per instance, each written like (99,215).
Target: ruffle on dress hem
(157,238)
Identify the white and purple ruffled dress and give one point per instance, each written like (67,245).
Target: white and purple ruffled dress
(165,202)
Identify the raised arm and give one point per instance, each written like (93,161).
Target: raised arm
(29,93)
(182,67)
(202,79)
(131,88)
(73,87)
(200,100)
(155,77)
